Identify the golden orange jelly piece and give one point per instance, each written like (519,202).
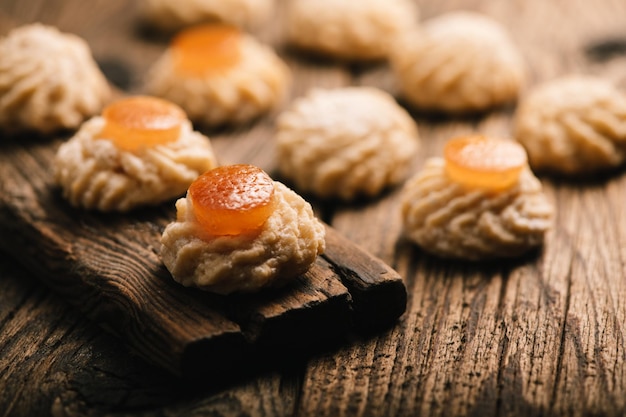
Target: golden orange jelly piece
(141,121)
(203,49)
(233,199)
(476,161)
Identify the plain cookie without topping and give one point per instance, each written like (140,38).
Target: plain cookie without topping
(458,62)
(48,80)
(346,142)
(349,29)
(573,125)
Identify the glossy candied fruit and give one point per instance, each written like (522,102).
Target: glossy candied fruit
(137,122)
(233,199)
(208,48)
(477,161)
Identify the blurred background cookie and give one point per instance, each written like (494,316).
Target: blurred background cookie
(141,151)
(237,230)
(48,80)
(458,62)
(170,15)
(219,75)
(573,125)
(348,29)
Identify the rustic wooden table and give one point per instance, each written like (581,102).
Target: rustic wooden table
(542,336)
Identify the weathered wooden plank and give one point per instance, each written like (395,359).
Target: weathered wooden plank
(378,292)
(56,362)
(317,308)
(108,265)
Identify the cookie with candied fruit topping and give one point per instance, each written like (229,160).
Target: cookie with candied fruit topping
(573,125)
(140,151)
(219,75)
(480,201)
(48,80)
(237,230)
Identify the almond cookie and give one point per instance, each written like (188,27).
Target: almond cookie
(349,29)
(141,151)
(239,231)
(480,201)
(573,125)
(346,142)
(219,75)
(48,80)
(458,62)
(172,15)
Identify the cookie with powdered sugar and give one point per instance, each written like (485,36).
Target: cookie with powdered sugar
(346,142)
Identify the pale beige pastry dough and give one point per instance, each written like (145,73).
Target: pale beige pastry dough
(286,246)
(255,85)
(48,80)
(175,14)
(458,62)
(346,142)
(573,125)
(95,174)
(452,221)
(349,29)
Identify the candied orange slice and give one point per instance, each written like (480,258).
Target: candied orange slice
(203,49)
(137,122)
(233,199)
(476,161)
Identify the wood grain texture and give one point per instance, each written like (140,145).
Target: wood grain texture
(539,337)
(378,292)
(108,265)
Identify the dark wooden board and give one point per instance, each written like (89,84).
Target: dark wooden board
(540,337)
(108,266)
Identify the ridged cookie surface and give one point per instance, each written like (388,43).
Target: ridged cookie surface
(573,125)
(458,62)
(346,142)
(286,246)
(48,80)
(452,221)
(95,174)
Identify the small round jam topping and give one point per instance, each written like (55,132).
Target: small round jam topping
(476,161)
(233,199)
(203,49)
(137,122)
